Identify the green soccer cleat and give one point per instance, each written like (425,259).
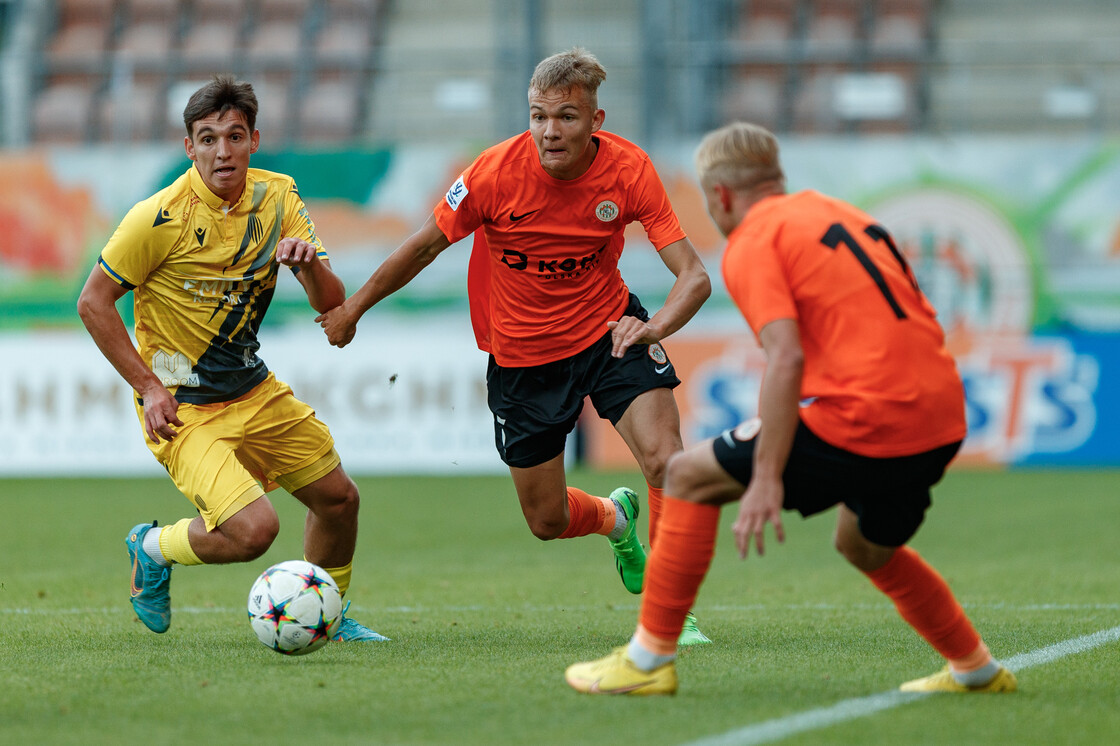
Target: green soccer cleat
(617,674)
(351,631)
(150,582)
(691,634)
(629,556)
(943,681)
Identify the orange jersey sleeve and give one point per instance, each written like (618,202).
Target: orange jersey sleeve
(877,378)
(543,279)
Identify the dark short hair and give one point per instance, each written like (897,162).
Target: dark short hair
(222,93)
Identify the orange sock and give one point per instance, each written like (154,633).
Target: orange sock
(676,567)
(588,515)
(924,600)
(656,495)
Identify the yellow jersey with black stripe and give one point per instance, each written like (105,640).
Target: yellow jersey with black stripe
(202,274)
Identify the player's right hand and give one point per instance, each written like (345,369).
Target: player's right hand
(338,325)
(161,411)
(760,504)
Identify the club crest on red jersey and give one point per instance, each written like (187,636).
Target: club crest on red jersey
(606,211)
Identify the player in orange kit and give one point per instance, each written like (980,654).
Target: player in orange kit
(548,209)
(861,407)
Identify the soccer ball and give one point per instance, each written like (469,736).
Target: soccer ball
(295,607)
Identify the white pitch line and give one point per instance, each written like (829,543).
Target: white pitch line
(123,608)
(850,709)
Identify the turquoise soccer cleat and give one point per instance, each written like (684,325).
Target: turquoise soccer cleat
(150,582)
(351,631)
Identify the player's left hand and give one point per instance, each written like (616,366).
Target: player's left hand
(627,331)
(295,252)
(760,504)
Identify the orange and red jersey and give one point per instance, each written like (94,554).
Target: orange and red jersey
(878,379)
(543,278)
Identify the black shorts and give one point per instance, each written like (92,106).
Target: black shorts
(890,495)
(536,407)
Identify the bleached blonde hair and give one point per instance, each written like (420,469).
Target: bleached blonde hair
(575,68)
(740,155)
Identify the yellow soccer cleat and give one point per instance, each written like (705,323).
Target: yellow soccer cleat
(617,674)
(943,681)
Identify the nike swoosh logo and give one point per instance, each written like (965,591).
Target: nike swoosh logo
(662,369)
(515,218)
(132,580)
(595,689)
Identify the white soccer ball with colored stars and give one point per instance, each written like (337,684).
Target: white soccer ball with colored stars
(295,607)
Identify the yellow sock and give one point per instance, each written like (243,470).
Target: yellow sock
(175,544)
(341,575)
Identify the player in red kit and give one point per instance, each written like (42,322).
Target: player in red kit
(547,209)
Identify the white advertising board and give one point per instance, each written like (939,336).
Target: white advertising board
(399,399)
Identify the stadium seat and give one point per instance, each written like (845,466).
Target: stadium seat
(146,44)
(766,34)
(282,10)
(813,110)
(210,11)
(166,11)
(80,46)
(275,44)
(833,33)
(90,11)
(755,97)
(273,115)
(62,113)
(210,47)
(342,41)
(131,114)
(328,113)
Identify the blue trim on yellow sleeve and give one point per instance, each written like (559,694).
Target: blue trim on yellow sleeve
(117,278)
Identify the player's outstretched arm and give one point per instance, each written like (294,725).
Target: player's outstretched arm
(778,408)
(323,287)
(98,311)
(417,252)
(691,288)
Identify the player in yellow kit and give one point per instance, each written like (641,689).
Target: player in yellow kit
(201,259)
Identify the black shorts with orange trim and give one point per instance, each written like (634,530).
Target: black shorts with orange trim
(890,495)
(536,407)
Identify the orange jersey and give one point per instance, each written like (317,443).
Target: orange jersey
(543,279)
(877,375)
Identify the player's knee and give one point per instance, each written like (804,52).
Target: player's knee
(680,477)
(655,462)
(860,554)
(546,528)
(256,541)
(347,501)
(341,504)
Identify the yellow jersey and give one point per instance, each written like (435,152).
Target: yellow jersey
(202,274)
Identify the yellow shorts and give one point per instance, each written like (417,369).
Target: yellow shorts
(229,454)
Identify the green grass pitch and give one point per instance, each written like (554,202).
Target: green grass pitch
(484,618)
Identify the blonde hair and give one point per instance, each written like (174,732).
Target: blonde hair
(740,155)
(576,68)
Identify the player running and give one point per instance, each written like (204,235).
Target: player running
(201,258)
(861,407)
(547,209)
